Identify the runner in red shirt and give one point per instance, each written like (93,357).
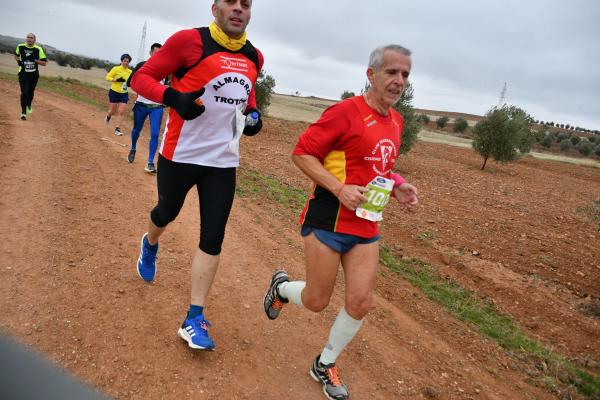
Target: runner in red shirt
(349,154)
(214,70)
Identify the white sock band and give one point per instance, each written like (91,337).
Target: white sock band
(292,291)
(343,330)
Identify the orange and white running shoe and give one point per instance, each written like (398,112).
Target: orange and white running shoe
(329,377)
(273,302)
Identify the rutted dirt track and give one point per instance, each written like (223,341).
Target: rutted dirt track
(73,211)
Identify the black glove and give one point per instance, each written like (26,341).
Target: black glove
(187,105)
(121,79)
(251,130)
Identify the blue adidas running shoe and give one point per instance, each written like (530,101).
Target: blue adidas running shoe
(195,332)
(146,264)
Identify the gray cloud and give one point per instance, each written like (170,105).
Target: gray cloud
(463,50)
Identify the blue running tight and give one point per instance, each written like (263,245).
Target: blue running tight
(155,115)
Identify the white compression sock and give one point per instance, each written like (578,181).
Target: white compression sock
(343,330)
(292,291)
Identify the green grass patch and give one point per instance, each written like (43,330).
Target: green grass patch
(8,77)
(459,301)
(591,213)
(427,236)
(465,305)
(72,88)
(550,370)
(251,183)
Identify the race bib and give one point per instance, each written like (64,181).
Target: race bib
(237,124)
(29,66)
(378,196)
(124,86)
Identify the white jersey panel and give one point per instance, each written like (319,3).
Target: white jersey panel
(208,139)
(142,99)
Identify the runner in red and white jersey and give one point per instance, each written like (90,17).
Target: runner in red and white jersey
(214,71)
(197,62)
(349,154)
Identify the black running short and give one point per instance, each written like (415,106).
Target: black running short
(216,188)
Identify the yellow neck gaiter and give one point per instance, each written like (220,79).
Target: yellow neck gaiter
(224,40)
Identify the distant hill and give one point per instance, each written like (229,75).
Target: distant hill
(450,114)
(63,58)
(9,43)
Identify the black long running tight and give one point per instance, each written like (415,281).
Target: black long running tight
(28,81)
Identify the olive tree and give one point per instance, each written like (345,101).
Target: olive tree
(565,145)
(503,134)
(460,125)
(585,147)
(442,122)
(547,140)
(347,94)
(423,118)
(411,126)
(264,89)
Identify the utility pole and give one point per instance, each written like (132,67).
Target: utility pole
(142,50)
(502,100)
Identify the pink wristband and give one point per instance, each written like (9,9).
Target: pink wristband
(398,179)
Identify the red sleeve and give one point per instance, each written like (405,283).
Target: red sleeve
(252,97)
(183,49)
(331,130)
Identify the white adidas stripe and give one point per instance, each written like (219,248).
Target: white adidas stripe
(190,331)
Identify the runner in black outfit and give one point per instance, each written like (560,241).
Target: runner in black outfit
(29,55)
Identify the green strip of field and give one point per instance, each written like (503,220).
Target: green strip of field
(549,369)
(71,88)
(252,183)
(463,304)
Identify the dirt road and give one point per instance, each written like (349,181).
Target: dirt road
(73,211)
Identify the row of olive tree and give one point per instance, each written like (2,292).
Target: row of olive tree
(567,127)
(460,125)
(566,142)
(74,61)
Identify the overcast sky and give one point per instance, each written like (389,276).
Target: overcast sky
(463,51)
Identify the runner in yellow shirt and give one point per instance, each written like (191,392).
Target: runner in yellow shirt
(117,95)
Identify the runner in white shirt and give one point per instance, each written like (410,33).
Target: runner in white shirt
(146,108)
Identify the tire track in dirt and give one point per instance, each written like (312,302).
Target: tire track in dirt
(74,212)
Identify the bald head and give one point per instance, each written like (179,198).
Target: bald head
(30,39)
(232,16)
